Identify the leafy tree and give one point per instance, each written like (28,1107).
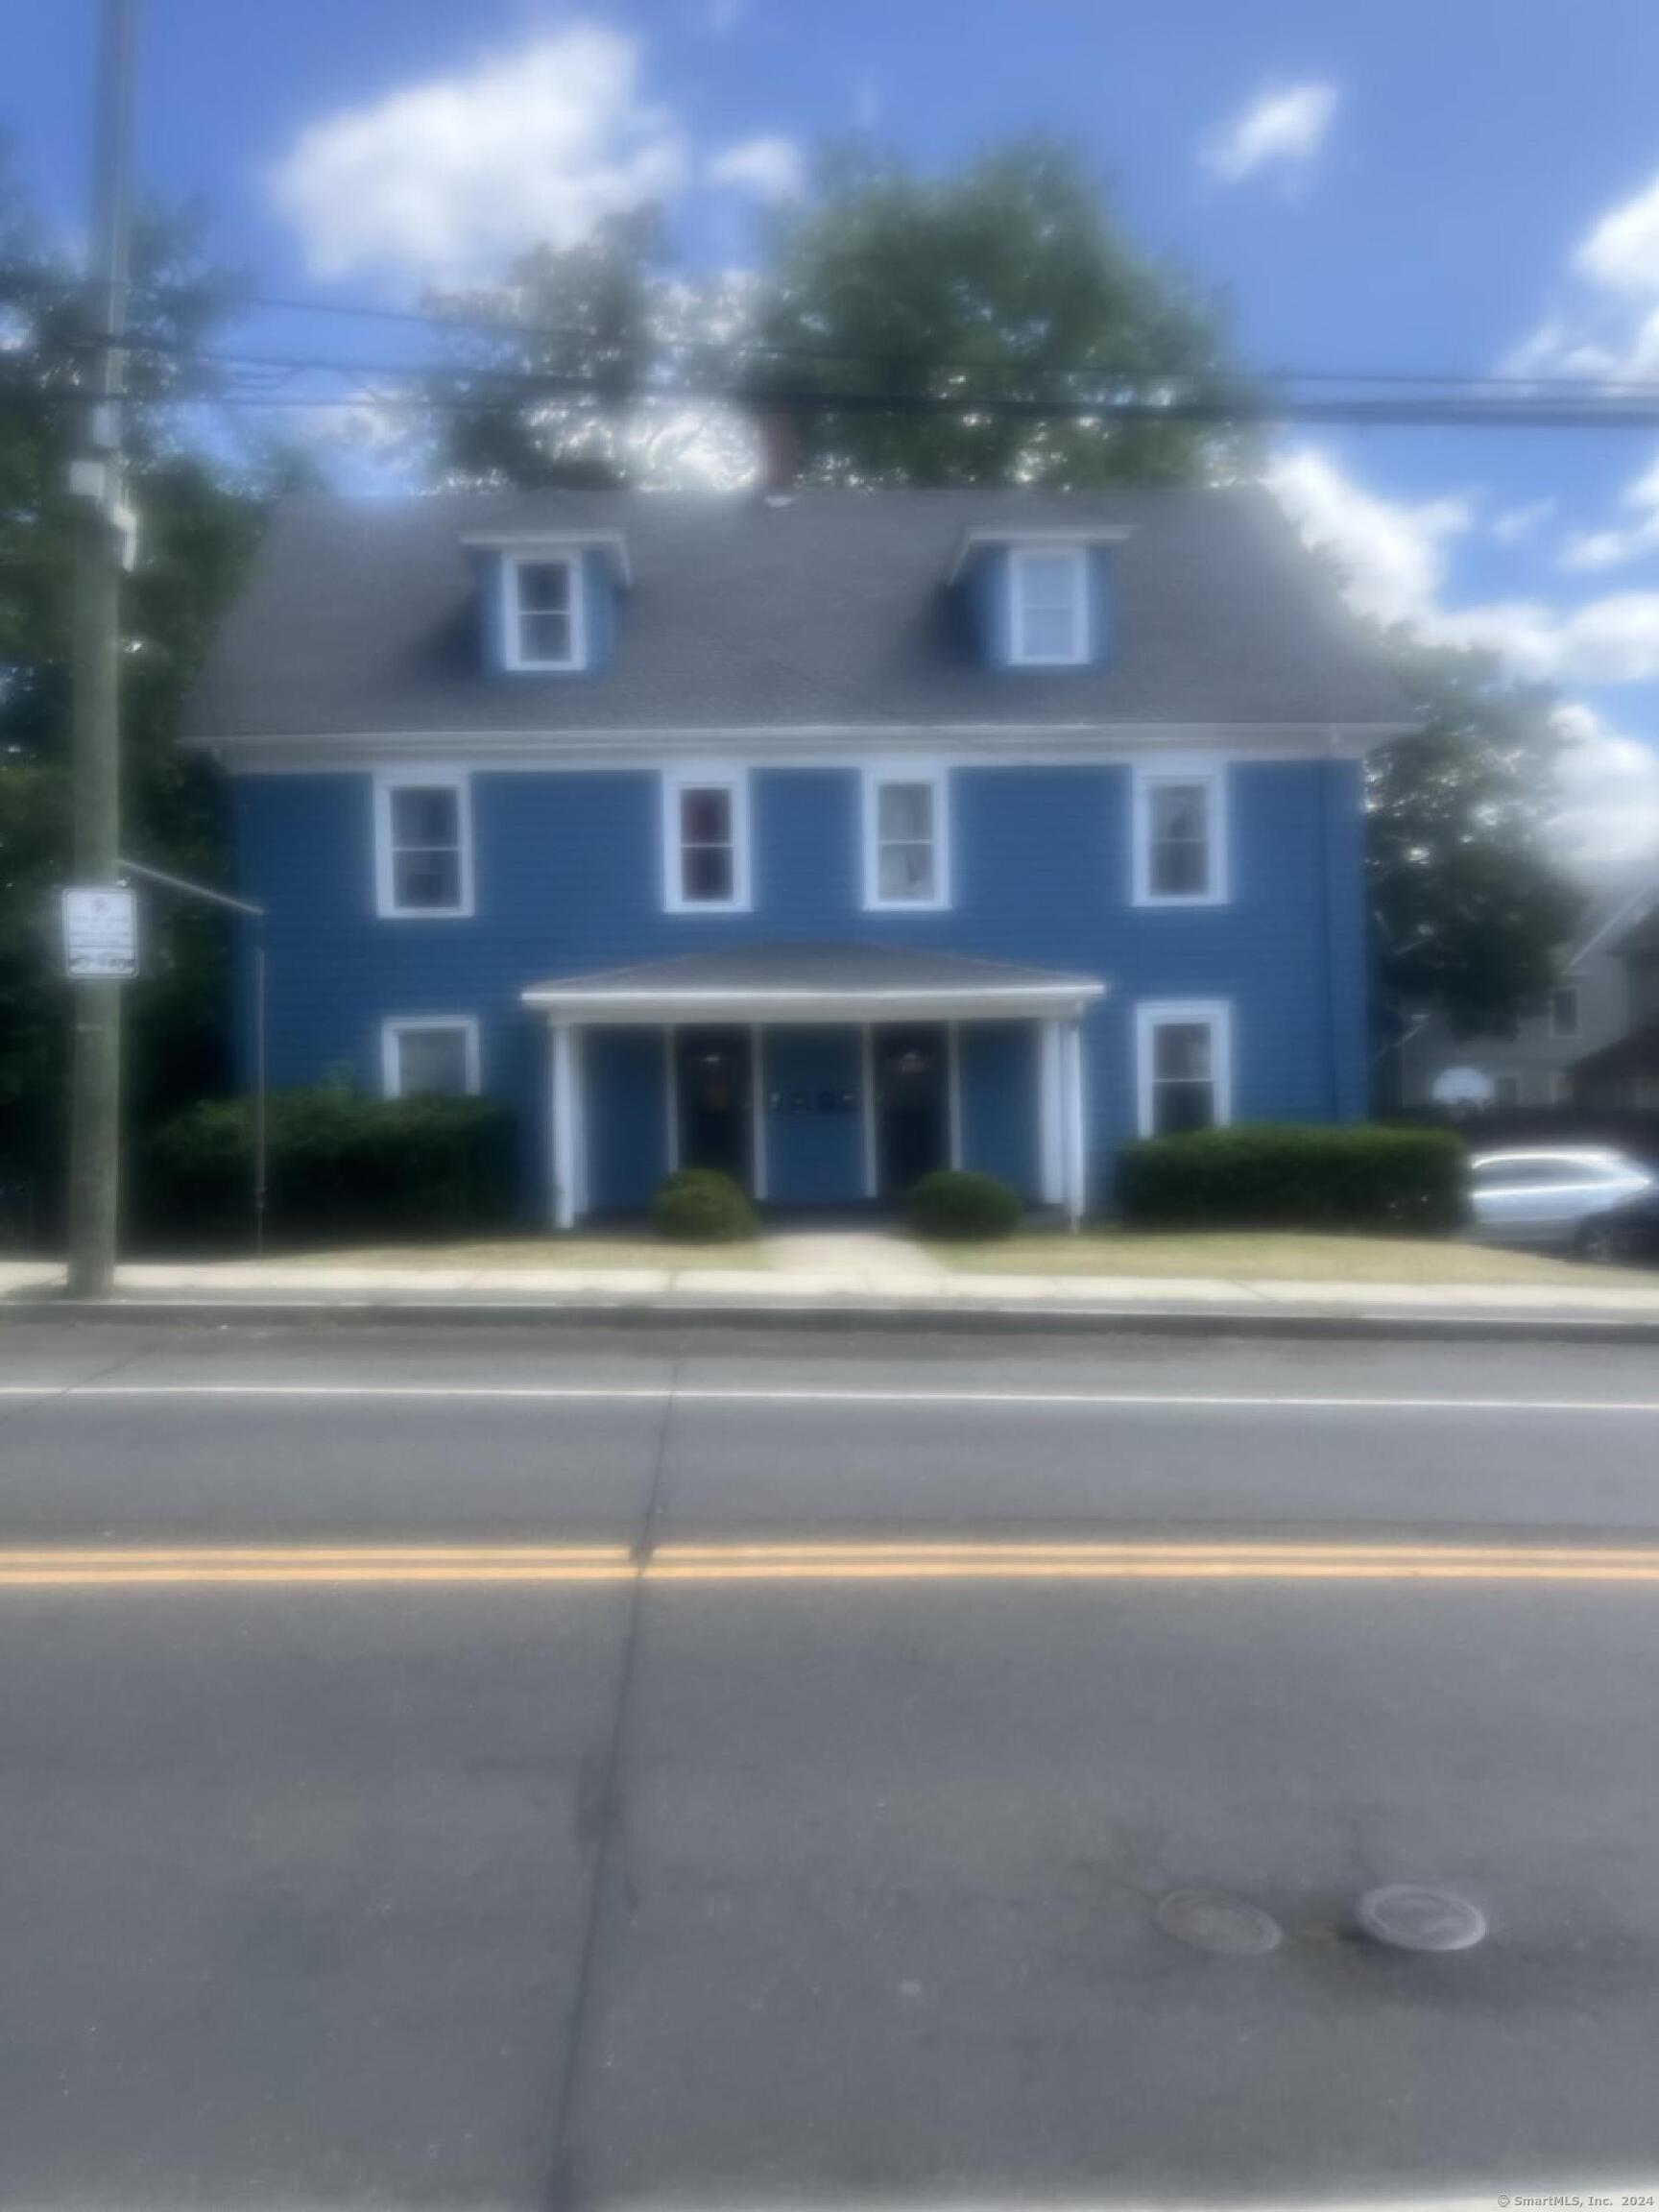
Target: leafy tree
(196,528)
(996,282)
(606,314)
(1472,909)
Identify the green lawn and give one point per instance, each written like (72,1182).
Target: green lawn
(1274,1256)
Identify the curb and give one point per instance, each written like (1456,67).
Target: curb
(1433,1326)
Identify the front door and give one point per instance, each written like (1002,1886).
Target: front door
(712,1074)
(912,1114)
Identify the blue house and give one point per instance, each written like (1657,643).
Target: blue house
(823,837)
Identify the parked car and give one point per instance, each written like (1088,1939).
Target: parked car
(1627,1232)
(1563,1196)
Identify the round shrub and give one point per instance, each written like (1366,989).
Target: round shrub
(701,1206)
(963,1206)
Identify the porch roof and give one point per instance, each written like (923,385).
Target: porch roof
(814,983)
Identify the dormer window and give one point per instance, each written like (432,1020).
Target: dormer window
(1050,626)
(546,611)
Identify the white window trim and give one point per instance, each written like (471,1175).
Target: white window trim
(1147,776)
(399,1025)
(938,780)
(712,775)
(1020,558)
(1154,1014)
(513,654)
(390,779)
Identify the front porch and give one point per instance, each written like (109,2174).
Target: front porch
(816,1076)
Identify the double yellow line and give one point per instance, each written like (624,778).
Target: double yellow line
(1193,1559)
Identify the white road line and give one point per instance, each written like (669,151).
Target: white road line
(714,1394)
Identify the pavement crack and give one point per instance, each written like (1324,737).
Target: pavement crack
(602,1824)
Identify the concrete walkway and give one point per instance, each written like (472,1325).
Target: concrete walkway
(832,1273)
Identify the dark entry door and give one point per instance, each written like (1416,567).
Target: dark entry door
(714,1093)
(912,1125)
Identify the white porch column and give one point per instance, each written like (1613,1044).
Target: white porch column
(564,1105)
(867,1106)
(1051,1122)
(954,1092)
(671,1097)
(757,1110)
(1072,1103)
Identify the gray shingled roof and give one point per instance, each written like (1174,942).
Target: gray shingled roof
(831,610)
(837,970)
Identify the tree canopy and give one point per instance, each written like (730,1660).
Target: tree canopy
(199,518)
(1473,910)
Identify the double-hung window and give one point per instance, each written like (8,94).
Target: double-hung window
(706,841)
(906,839)
(422,845)
(1564,1010)
(1048,592)
(1180,833)
(545,612)
(1183,1066)
(430,1055)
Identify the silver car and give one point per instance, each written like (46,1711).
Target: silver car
(1553,1197)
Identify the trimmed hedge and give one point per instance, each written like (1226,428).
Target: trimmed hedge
(341,1167)
(701,1206)
(1261,1176)
(962,1206)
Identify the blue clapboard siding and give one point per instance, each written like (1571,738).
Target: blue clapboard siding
(626,1076)
(814,1087)
(567,877)
(1000,1101)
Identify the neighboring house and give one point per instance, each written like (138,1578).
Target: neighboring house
(1589,1009)
(1624,1074)
(823,837)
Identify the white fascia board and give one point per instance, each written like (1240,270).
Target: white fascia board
(966,1004)
(1056,533)
(993,744)
(526,542)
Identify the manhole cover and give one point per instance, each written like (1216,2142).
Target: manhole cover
(1210,1920)
(1410,1918)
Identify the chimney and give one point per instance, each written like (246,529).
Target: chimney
(780,451)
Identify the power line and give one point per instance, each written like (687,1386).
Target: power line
(438,322)
(490,390)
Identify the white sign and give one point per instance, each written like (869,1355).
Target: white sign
(101,935)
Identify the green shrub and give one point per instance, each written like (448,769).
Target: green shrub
(340,1167)
(701,1206)
(1261,1176)
(963,1206)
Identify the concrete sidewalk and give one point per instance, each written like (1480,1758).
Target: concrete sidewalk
(847,1278)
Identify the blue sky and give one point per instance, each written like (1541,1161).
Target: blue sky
(1386,184)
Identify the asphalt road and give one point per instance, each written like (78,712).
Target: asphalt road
(514,1770)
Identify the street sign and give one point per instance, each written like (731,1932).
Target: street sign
(101,935)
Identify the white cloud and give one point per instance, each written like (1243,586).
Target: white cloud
(445,180)
(1622,252)
(1608,330)
(1280,129)
(1607,819)
(773,168)
(1600,549)
(1514,525)
(1394,556)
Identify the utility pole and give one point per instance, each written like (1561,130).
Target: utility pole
(102,530)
